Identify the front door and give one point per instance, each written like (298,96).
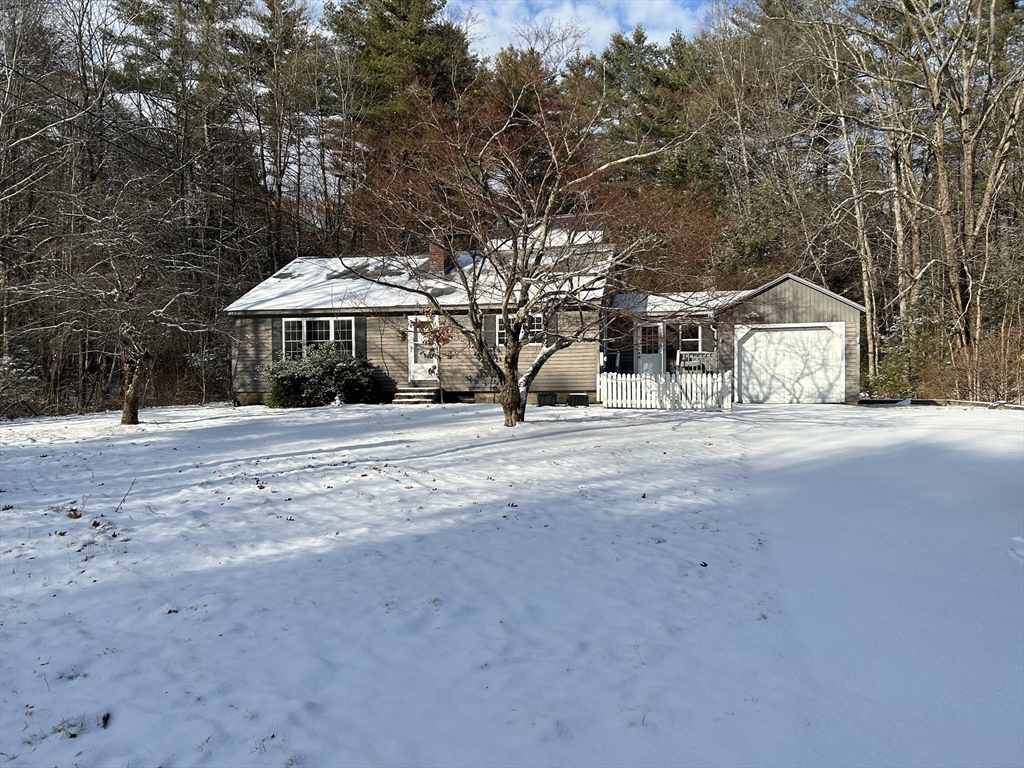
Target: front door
(422,354)
(650,348)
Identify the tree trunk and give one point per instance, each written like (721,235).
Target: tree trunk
(519,386)
(512,404)
(865,251)
(135,379)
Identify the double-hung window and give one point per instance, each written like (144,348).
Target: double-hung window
(301,335)
(535,328)
(691,338)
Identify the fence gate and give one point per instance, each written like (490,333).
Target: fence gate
(666,391)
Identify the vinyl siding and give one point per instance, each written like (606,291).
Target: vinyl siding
(570,370)
(251,347)
(387,348)
(793,302)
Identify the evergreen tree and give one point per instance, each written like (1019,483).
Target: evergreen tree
(398,46)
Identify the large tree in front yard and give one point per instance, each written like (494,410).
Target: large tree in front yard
(506,185)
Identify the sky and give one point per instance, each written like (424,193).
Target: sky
(498,19)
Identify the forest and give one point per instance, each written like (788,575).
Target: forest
(158,158)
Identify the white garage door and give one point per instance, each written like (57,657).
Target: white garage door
(790,363)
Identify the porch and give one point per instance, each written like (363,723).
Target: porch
(663,347)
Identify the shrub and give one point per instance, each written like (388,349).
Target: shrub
(322,377)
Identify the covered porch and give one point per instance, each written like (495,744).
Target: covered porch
(666,333)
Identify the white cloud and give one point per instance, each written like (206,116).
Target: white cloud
(497,19)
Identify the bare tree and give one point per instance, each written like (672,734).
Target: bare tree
(929,100)
(113,248)
(504,185)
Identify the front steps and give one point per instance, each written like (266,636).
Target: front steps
(415,396)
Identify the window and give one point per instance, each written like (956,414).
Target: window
(650,341)
(302,335)
(345,335)
(690,338)
(293,339)
(536,328)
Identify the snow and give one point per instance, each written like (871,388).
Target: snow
(375,283)
(329,284)
(399,585)
(707,303)
(686,303)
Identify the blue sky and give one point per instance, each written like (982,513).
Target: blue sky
(497,19)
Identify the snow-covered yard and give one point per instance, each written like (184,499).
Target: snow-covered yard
(398,586)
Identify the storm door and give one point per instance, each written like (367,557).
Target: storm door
(650,348)
(422,354)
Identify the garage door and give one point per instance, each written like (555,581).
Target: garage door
(790,363)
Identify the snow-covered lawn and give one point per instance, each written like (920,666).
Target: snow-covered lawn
(403,586)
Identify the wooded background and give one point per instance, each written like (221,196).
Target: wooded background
(158,159)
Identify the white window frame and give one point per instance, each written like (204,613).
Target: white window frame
(699,339)
(501,335)
(333,326)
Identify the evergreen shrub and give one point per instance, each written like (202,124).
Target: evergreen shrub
(320,378)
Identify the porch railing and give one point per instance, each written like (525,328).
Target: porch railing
(696,362)
(666,391)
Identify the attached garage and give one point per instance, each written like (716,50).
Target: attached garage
(788,341)
(792,341)
(791,363)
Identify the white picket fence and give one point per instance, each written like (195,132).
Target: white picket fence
(666,391)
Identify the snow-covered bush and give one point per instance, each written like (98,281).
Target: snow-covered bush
(320,378)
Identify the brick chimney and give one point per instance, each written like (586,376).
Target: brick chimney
(439,257)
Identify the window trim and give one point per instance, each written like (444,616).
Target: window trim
(699,339)
(332,322)
(500,334)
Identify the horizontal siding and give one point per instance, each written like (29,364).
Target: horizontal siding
(793,302)
(573,369)
(251,347)
(570,370)
(462,370)
(387,348)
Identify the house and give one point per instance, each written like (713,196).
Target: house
(789,341)
(378,309)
